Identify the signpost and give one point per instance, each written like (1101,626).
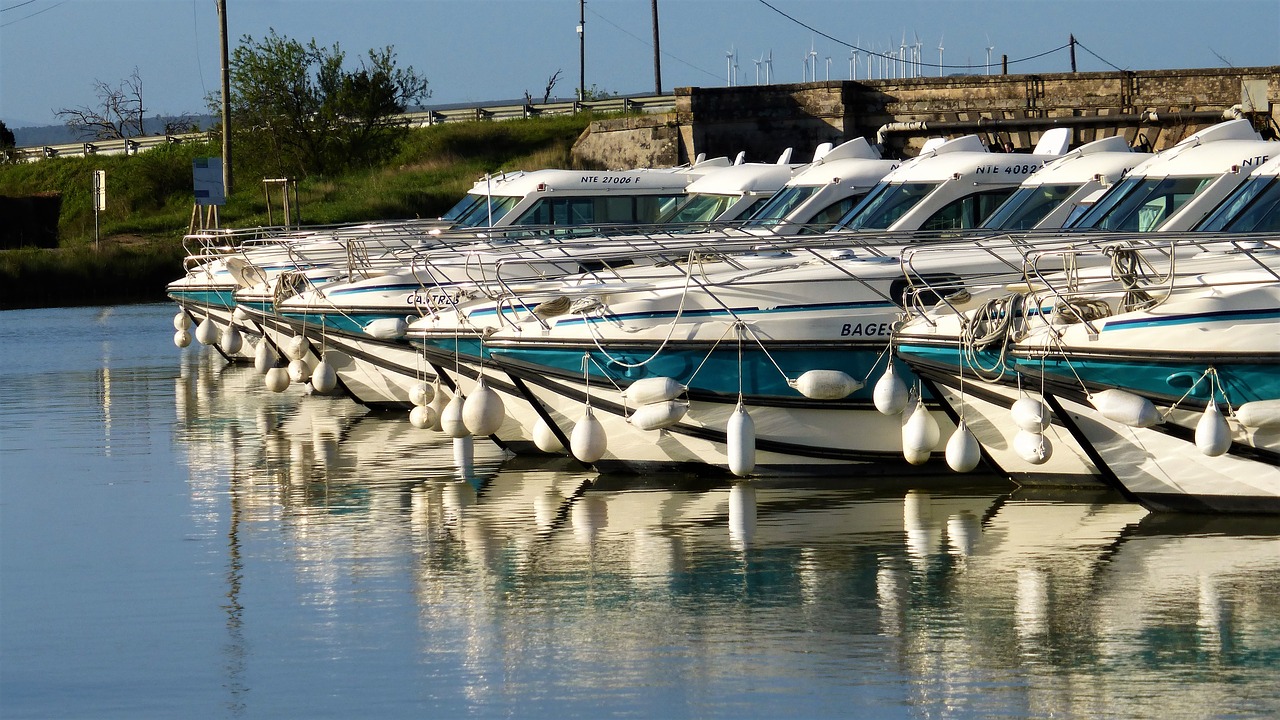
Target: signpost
(206,175)
(99,202)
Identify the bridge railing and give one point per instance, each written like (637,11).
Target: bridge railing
(135,145)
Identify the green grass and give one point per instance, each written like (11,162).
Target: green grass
(150,197)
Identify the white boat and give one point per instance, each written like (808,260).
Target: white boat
(950,186)
(1161,370)
(1063,189)
(1178,187)
(380,371)
(222,262)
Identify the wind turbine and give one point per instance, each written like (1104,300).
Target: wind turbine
(902,55)
(768,68)
(757,62)
(828,68)
(990,47)
(917,54)
(728,66)
(941,65)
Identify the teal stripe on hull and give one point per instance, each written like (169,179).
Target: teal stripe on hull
(205,298)
(1242,382)
(719,372)
(352,324)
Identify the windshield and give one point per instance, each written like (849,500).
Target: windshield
(1028,206)
(885,204)
(781,205)
(698,208)
(1255,206)
(465,204)
(826,218)
(607,209)
(1142,204)
(488,211)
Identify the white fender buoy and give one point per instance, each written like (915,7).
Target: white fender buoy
(423,417)
(207,332)
(264,358)
(890,394)
(438,404)
(1259,413)
(588,441)
(651,390)
(295,348)
(182,338)
(545,438)
(919,434)
(422,393)
(240,314)
(451,418)
(277,379)
(1033,447)
(299,371)
(323,378)
(1030,415)
(1213,437)
(387,328)
(231,340)
(181,321)
(658,415)
(740,437)
(825,384)
(483,411)
(1126,408)
(963,453)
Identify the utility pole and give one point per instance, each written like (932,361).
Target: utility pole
(657,65)
(226,100)
(1072,43)
(582,51)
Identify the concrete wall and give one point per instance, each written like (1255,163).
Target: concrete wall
(1151,108)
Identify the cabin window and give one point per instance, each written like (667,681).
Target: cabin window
(886,204)
(967,212)
(781,205)
(1255,207)
(827,217)
(1146,205)
(1026,207)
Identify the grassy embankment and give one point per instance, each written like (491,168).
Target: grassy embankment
(149,203)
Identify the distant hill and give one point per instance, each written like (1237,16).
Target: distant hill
(60,134)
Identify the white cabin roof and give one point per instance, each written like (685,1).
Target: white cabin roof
(1232,145)
(1107,159)
(590,182)
(746,178)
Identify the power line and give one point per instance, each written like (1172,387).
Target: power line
(648,44)
(28,17)
(1082,47)
(15,7)
(921,63)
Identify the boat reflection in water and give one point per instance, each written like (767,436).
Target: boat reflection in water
(532,583)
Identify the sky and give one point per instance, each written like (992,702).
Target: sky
(53,51)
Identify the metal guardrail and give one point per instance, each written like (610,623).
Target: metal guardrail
(135,145)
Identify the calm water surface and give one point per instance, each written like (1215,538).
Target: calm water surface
(175,541)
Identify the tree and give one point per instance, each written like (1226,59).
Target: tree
(7,142)
(298,109)
(117,115)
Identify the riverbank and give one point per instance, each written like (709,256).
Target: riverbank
(149,204)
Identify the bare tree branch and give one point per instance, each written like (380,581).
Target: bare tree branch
(117,115)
